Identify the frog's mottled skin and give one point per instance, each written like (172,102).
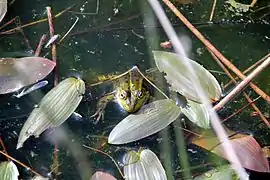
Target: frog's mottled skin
(130,93)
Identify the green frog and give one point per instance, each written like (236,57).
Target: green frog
(131,93)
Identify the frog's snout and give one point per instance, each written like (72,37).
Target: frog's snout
(130,105)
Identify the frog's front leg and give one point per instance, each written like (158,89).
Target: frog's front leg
(101,105)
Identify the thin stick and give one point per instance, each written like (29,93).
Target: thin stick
(25,39)
(249,68)
(9,22)
(3,146)
(239,110)
(159,90)
(242,85)
(40,44)
(69,30)
(111,79)
(245,94)
(54,58)
(35,22)
(252,4)
(209,45)
(213,10)
(106,154)
(20,163)
(191,132)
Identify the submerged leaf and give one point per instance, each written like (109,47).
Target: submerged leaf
(34,87)
(99,175)
(8,171)
(20,72)
(224,172)
(179,77)
(145,167)
(55,107)
(151,118)
(247,149)
(3,9)
(197,113)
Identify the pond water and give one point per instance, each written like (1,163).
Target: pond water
(111,36)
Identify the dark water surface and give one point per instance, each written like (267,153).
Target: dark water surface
(113,40)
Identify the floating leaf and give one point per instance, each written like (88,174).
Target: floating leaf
(179,77)
(224,172)
(197,113)
(3,9)
(8,171)
(55,107)
(20,72)
(145,167)
(151,118)
(99,175)
(247,149)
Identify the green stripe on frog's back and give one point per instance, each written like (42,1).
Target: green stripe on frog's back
(136,80)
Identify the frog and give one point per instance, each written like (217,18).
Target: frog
(130,92)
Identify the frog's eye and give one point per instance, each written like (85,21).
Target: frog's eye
(123,95)
(139,94)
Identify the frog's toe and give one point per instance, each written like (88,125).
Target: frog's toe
(98,115)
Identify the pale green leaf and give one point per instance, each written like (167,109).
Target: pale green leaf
(224,172)
(145,167)
(152,118)
(179,77)
(197,113)
(55,107)
(8,171)
(3,9)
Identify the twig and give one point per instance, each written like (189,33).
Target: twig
(25,39)
(106,154)
(214,50)
(9,22)
(248,69)
(54,58)
(240,110)
(152,84)
(3,146)
(20,163)
(189,131)
(252,4)
(245,94)
(40,44)
(242,85)
(69,30)
(35,22)
(213,10)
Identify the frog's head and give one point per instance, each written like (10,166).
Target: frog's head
(132,101)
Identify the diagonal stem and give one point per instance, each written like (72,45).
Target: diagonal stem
(245,94)
(242,85)
(207,43)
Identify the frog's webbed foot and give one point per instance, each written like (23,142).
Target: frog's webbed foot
(98,115)
(101,105)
